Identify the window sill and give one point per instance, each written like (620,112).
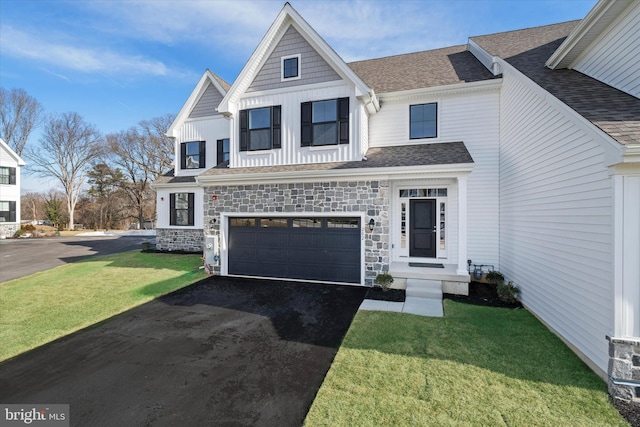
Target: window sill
(335,147)
(258,152)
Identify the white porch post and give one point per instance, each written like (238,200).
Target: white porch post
(462,225)
(627,255)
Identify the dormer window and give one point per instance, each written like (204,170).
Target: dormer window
(290,66)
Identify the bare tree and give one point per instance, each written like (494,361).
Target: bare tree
(32,206)
(142,153)
(20,113)
(129,155)
(67,147)
(156,147)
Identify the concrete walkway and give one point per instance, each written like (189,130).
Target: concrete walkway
(423,298)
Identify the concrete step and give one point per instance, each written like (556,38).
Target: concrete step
(424,293)
(423,306)
(423,288)
(424,283)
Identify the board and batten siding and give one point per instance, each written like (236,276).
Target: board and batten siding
(210,130)
(313,68)
(556,219)
(207,103)
(472,118)
(291,152)
(614,58)
(163,206)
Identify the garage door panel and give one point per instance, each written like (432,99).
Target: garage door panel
(313,253)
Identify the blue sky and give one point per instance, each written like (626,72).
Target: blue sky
(118,62)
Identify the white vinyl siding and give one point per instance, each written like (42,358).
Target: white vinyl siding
(556,219)
(614,58)
(291,152)
(473,119)
(209,130)
(163,207)
(10,192)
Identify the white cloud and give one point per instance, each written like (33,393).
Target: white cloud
(355,29)
(65,55)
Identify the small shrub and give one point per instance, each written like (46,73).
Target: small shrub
(495,277)
(20,232)
(28,228)
(508,292)
(384,280)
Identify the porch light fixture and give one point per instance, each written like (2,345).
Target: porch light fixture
(372,224)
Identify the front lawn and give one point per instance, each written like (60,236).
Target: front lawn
(45,306)
(477,366)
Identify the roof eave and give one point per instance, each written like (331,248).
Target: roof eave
(12,153)
(195,95)
(444,170)
(607,10)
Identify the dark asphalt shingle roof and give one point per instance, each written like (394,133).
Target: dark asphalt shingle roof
(613,111)
(430,68)
(169,178)
(378,157)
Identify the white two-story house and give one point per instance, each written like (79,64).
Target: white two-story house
(10,164)
(519,150)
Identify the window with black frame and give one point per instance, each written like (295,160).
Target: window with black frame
(223,151)
(7,211)
(260,129)
(423,121)
(182,210)
(7,175)
(325,122)
(192,155)
(290,67)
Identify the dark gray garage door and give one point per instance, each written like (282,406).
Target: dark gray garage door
(326,249)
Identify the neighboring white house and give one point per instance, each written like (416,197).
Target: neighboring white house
(10,164)
(520,150)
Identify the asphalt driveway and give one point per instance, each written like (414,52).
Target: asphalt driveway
(21,257)
(220,352)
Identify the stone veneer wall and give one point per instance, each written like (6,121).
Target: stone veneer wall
(8,230)
(317,198)
(624,366)
(179,239)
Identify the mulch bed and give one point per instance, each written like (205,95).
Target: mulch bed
(629,411)
(482,294)
(392,295)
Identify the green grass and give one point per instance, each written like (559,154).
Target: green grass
(477,366)
(48,305)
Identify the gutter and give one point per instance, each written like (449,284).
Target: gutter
(444,171)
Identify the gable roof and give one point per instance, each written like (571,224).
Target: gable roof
(207,78)
(586,32)
(613,111)
(430,68)
(12,154)
(289,16)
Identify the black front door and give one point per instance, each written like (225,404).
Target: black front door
(422,228)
